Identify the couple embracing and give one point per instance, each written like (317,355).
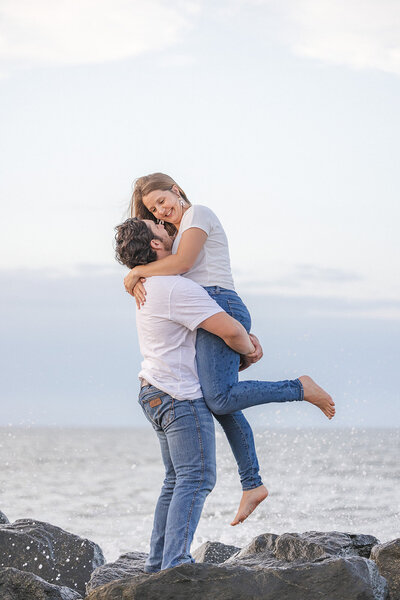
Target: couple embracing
(194,335)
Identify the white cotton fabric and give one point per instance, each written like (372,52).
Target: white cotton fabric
(213,265)
(166,326)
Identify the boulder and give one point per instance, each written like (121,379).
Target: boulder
(269,549)
(363,544)
(262,543)
(336,578)
(316,545)
(53,554)
(3,518)
(387,558)
(214,552)
(20,585)
(131,563)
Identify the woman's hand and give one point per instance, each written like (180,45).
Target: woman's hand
(246,360)
(139,291)
(258,352)
(245,363)
(131,280)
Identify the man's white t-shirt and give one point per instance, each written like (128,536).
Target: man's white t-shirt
(166,326)
(212,266)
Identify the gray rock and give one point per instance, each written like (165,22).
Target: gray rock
(337,578)
(363,544)
(131,563)
(214,552)
(57,556)
(269,549)
(260,544)
(3,518)
(387,558)
(316,545)
(292,547)
(20,585)
(260,553)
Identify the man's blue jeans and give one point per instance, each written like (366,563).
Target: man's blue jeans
(226,397)
(185,429)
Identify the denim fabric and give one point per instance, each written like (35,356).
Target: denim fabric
(185,430)
(225,396)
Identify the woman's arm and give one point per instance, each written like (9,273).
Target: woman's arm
(192,241)
(246,360)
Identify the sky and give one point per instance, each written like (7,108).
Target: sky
(280,116)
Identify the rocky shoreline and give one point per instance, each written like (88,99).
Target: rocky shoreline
(39,561)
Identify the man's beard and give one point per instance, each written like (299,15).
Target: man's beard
(168,243)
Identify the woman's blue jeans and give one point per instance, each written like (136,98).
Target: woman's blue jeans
(226,397)
(185,430)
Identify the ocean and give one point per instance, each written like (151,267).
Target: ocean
(103,483)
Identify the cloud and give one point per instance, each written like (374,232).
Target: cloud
(320,274)
(98,290)
(361,34)
(71,32)
(303,279)
(358,34)
(284,306)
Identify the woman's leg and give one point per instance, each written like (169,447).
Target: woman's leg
(218,367)
(235,425)
(241,440)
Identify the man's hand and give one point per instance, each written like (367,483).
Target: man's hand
(139,292)
(131,280)
(247,360)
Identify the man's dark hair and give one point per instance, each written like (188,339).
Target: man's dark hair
(132,243)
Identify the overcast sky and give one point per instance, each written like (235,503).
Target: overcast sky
(281,116)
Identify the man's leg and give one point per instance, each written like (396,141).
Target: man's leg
(191,443)
(156,413)
(154,560)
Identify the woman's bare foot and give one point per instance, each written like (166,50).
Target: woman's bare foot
(314,394)
(249,501)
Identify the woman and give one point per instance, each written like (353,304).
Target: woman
(200,252)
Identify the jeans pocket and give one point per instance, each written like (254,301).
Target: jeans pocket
(158,407)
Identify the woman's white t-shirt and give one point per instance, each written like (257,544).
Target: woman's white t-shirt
(212,266)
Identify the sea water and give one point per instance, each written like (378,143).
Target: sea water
(103,483)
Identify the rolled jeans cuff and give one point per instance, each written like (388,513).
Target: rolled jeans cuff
(301,389)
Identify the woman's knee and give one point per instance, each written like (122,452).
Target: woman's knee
(218,404)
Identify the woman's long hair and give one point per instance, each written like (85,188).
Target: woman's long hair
(146,184)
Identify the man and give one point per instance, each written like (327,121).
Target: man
(170,394)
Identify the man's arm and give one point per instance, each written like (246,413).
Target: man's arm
(231,331)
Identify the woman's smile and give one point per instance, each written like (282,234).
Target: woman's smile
(164,205)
